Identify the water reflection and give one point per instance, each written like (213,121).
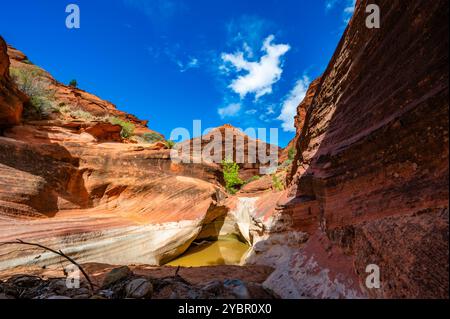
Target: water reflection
(224,251)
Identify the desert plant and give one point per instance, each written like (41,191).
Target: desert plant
(127,127)
(277,184)
(231,176)
(33,83)
(152,137)
(73,83)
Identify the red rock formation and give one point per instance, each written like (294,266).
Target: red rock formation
(71,183)
(11,99)
(372,154)
(300,118)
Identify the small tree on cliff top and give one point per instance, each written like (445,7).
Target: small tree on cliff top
(231,176)
(73,83)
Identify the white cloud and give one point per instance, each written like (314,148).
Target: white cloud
(349,10)
(248,31)
(229,110)
(176,54)
(290,104)
(262,75)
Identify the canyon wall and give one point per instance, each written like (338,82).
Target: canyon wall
(72,182)
(370,179)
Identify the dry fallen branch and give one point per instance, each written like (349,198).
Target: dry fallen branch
(59,253)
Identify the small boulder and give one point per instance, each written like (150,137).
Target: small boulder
(139,288)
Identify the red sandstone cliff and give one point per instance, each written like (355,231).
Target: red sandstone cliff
(69,180)
(11,99)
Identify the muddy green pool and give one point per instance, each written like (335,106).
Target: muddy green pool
(221,252)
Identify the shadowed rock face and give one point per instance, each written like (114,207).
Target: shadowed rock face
(11,99)
(369,184)
(372,155)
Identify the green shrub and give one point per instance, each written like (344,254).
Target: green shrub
(127,127)
(170,144)
(152,137)
(80,114)
(231,176)
(253,179)
(33,83)
(277,184)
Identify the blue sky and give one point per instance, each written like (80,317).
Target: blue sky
(243,62)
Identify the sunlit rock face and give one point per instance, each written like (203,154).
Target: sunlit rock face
(372,157)
(369,184)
